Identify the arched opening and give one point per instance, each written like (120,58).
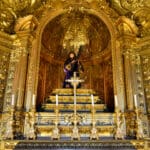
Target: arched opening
(65,33)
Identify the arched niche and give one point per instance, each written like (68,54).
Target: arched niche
(95,55)
(112,49)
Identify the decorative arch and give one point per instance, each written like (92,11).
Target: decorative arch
(116,54)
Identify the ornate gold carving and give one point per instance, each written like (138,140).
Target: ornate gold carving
(46,125)
(131,5)
(120,131)
(10,10)
(126,26)
(14,58)
(29,126)
(146,75)
(6,44)
(137,25)
(9,124)
(4,57)
(142,19)
(130,123)
(125,6)
(139,126)
(28,23)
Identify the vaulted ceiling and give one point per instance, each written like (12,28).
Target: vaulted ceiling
(69,32)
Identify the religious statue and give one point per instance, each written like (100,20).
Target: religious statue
(71,65)
(30,126)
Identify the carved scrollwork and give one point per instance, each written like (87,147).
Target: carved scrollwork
(13,9)
(142,19)
(131,4)
(126,6)
(28,23)
(126,26)
(29,127)
(130,124)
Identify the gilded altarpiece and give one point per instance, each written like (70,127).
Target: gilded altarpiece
(27,76)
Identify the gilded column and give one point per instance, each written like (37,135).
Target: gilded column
(128,80)
(24,29)
(118,77)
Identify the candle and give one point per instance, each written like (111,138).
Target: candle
(116,101)
(135,100)
(92,98)
(57,99)
(13,100)
(33,99)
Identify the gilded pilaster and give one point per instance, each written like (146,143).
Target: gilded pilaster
(128,80)
(4,59)
(138,81)
(146,78)
(119,78)
(11,62)
(24,29)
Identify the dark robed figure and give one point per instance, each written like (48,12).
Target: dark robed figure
(71,65)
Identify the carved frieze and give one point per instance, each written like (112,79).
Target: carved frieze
(126,6)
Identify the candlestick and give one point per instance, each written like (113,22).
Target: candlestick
(13,100)
(135,100)
(57,99)
(92,98)
(116,101)
(33,99)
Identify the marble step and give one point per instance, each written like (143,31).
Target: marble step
(67,107)
(101,144)
(84,99)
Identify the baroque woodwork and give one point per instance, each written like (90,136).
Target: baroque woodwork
(35,38)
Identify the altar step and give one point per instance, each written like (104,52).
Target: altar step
(59,109)
(45,123)
(76,145)
(66,101)
(70,107)
(69,98)
(66,91)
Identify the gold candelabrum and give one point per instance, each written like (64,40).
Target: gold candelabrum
(9,128)
(29,126)
(94,134)
(55,132)
(139,115)
(139,126)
